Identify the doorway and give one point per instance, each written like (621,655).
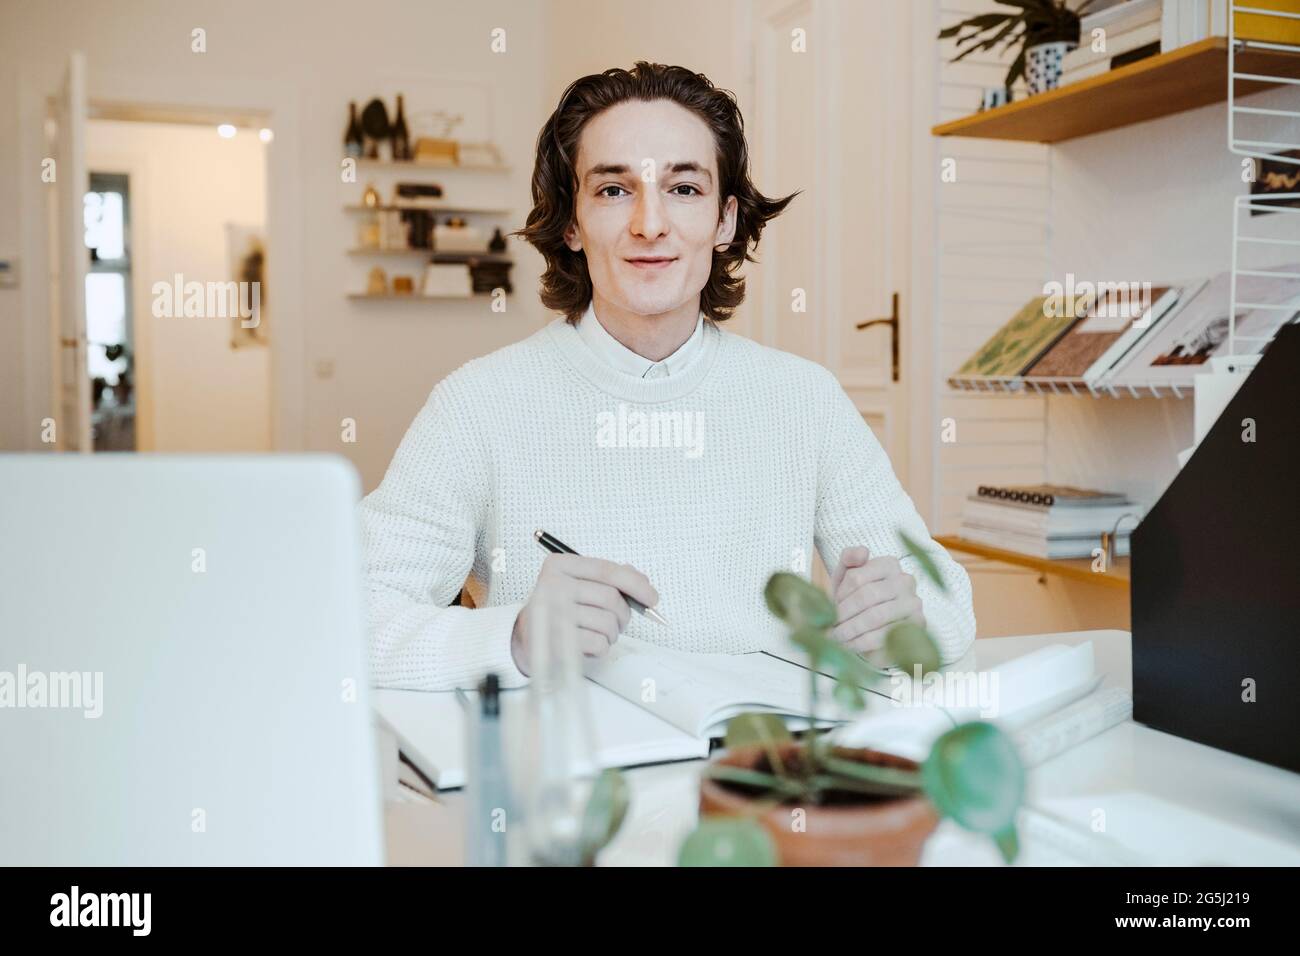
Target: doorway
(177,318)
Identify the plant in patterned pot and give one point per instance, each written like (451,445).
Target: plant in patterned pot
(1042,31)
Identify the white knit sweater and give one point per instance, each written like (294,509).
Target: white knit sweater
(707,481)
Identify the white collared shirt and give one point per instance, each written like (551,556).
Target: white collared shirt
(598,339)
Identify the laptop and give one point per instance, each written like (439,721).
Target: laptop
(182,671)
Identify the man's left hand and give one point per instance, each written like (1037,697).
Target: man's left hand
(871,596)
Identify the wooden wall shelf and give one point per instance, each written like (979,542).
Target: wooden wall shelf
(1078,569)
(1183,79)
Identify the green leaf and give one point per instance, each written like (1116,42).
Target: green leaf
(798,602)
(974,776)
(924,560)
(849,695)
(728,842)
(751,728)
(754,778)
(909,646)
(1008,843)
(606,808)
(889,781)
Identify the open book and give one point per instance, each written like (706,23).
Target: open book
(699,693)
(647,705)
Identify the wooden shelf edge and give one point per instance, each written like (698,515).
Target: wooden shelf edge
(1112,80)
(1078,569)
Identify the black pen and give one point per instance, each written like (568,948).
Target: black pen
(556,546)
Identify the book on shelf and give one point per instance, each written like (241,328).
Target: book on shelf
(1049,495)
(1047,521)
(1197,329)
(1116,45)
(1017,344)
(1112,325)
(1039,546)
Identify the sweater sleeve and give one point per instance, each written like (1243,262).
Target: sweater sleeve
(861,502)
(418,530)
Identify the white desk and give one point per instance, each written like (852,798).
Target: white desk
(1213,807)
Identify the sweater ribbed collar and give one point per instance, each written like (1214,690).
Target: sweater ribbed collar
(610,380)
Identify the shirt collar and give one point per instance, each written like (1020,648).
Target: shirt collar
(625,360)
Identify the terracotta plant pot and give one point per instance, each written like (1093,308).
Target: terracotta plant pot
(880,832)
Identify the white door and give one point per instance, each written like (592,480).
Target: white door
(69,260)
(830,111)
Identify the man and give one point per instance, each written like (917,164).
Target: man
(686,463)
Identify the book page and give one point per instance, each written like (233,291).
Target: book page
(695,691)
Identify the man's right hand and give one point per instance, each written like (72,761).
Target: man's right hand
(580,594)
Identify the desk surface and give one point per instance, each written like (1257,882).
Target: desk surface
(1153,797)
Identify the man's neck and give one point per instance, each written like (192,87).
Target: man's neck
(653,337)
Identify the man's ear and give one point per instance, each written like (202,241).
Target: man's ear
(726,223)
(571,237)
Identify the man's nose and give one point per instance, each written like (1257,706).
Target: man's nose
(649,218)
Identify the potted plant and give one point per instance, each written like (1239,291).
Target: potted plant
(1043,30)
(770,798)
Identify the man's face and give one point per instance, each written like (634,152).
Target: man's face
(647,208)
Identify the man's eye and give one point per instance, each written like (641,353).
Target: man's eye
(693,190)
(605,191)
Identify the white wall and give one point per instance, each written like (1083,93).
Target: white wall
(186,183)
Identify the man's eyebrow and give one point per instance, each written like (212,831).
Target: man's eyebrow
(621,169)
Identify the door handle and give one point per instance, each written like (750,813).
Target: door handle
(892,322)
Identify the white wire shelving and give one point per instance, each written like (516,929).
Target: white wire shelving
(1259,150)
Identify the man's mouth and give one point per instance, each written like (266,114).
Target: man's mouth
(651,262)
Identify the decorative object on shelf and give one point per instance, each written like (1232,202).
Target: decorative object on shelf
(403,285)
(417,194)
(993,97)
(368,234)
(401,148)
(488,275)
(377,283)
(1043,65)
(497,243)
(862,807)
(1275,176)
(374,123)
(1042,29)
(436,152)
(455,235)
(371,197)
(353,145)
(446,280)
(478,154)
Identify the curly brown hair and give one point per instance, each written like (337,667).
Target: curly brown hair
(566,284)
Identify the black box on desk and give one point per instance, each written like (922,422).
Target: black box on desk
(1216,578)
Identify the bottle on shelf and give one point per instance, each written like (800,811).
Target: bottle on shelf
(352,143)
(401,137)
